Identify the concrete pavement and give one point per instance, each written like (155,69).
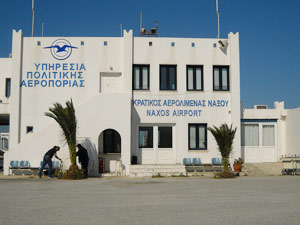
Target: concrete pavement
(191,200)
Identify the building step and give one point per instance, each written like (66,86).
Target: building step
(262,169)
(156,170)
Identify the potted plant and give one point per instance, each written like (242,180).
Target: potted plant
(237,165)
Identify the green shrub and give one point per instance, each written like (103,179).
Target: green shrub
(157,176)
(224,174)
(74,173)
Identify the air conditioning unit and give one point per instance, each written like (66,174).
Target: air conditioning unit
(143,30)
(260,107)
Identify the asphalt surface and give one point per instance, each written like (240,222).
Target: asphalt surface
(192,200)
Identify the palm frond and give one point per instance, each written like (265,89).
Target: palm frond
(224,136)
(66,118)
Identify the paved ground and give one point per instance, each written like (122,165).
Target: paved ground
(193,200)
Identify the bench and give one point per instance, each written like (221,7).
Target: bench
(23,168)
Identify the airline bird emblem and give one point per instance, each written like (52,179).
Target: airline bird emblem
(61,49)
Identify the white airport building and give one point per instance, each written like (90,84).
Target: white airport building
(138,100)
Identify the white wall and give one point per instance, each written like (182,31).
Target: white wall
(292,132)
(5,72)
(182,54)
(260,153)
(96,110)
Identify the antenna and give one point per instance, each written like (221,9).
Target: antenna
(141,22)
(32,30)
(218,15)
(42,29)
(144,32)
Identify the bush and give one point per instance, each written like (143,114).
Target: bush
(74,173)
(224,174)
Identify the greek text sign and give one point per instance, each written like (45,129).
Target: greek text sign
(177,108)
(55,75)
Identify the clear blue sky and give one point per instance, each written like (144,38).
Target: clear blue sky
(269,33)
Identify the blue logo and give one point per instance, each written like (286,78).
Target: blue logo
(61,49)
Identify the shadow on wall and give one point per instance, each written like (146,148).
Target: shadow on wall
(136,153)
(93,156)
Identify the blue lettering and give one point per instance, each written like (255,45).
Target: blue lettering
(58,83)
(44,76)
(30,83)
(148,112)
(29,74)
(37,76)
(65,82)
(44,82)
(37,66)
(65,66)
(44,66)
(65,75)
(73,75)
(51,82)
(36,82)
(75,83)
(51,66)
(81,83)
(82,67)
(23,83)
(54,74)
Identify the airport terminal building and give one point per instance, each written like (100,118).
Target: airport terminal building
(138,100)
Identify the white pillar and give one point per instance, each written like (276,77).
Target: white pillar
(235,91)
(127,89)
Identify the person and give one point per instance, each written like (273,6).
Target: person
(83,158)
(48,160)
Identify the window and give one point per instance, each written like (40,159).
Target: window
(105,43)
(150,43)
(167,77)
(4,142)
(194,77)
(250,135)
(172,44)
(141,77)
(268,135)
(111,141)
(146,137)
(38,43)
(193,44)
(197,136)
(29,129)
(165,137)
(82,43)
(221,78)
(7,87)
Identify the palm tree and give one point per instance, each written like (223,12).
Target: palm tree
(67,121)
(224,136)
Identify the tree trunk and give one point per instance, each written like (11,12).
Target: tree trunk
(72,149)
(225,165)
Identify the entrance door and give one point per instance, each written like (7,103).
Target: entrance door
(157,144)
(259,142)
